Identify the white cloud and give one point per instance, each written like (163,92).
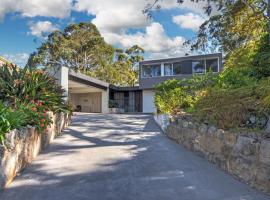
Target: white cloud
(189,21)
(40,28)
(154,41)
(33,8)
(19,59)
(115,17)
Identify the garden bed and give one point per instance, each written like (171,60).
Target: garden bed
(23,145)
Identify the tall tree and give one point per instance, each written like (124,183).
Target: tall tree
(79,46)
(124,70)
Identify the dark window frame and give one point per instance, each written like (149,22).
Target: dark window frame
(152,71)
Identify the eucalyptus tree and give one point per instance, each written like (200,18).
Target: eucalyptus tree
(79,46)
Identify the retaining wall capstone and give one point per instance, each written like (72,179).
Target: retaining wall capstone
(244,155)
(22,146)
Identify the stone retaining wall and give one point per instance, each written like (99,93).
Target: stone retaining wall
(163,120)
(22,146)
(246,155)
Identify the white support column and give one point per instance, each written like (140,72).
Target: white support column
(105,101)
(162,69)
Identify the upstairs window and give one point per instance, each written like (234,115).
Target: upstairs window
(151,71)
(168,69)
(212,65)
(177,68)
(198,66)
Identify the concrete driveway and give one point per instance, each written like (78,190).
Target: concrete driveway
(122,157)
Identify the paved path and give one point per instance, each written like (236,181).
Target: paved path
(122,157)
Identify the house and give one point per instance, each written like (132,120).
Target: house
(89,94)
(153,72)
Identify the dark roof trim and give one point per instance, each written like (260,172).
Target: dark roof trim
(176,59)
(87,80)
(130,88)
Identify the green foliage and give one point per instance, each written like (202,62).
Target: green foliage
(263,91)
(235,77)
(82,48)
(79,46)
(170,96)
(237,23)
(261,58)
(36,112)
(28,94)
(24,85)
(226,108)
(10,119)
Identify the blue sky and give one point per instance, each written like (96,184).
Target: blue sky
(24,24)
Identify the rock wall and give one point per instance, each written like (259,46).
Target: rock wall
(244,155)
(22,146)
(163,120)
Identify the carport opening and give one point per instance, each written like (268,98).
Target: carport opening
(85,98)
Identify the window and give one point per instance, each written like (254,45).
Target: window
(198,66)
(212,65)
(168,69)
(146,71)
(177,68)
(151,70)
(156,70)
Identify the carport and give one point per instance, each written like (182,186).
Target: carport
(87,93)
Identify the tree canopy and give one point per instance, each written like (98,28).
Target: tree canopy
(81,47)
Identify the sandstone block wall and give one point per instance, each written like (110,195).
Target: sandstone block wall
(22,146)
(244,155)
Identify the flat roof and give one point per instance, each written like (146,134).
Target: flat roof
(87,80)
(181,58)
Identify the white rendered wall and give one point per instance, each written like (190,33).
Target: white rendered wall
(61,74)
(148,101)
(105,101)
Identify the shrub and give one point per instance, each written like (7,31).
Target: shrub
(170,96)
(235,77)
(26,85)
(28,95)
(232,107)
(37,115)
(11,119)
(226,108)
